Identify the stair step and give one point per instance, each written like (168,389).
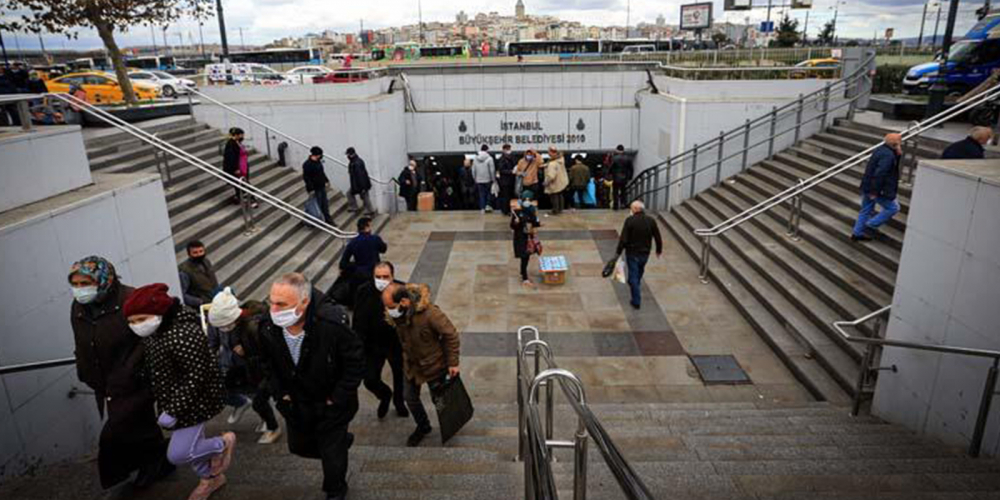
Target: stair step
(129,142)
(139,158)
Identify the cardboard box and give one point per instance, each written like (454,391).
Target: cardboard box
(425,202)
(554,269)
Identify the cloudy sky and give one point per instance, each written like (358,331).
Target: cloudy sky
(265,20)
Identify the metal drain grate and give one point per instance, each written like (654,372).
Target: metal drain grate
(720,370)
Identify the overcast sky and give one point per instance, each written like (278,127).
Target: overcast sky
(265,20)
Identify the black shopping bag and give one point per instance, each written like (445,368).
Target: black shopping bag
(453,405)
(609,268)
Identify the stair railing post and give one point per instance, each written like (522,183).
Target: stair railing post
(191,104)
(245,201)
(549,411)
(706,254)
(666,194)
(718,166)
(267,140)
(984,410)
(798,118)
(520,412)
(826,107)
(24,115)
(694,169)
(774,126)
(859,385)
(795,213)
(746,144)
(580,463)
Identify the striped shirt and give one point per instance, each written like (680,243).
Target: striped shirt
(294,343)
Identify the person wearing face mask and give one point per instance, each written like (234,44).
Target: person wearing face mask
(236,162)
(527,169)
(233,334)
(186,383)
(313,365)
(506,178)
(361,254)
(197,276)
(380,341)
(430,344)
(524,223)
(409,185)
(316,181)
(109,360)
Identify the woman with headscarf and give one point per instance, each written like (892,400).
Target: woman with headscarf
(186,382)
(527,170)
(109,360)
(556,180)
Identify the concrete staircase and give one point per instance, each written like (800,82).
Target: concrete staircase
(792,291)
(200,208)
(683,451)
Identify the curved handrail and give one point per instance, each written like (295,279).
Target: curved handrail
(277,131)
(965,351)
(846,82)
(37,365)
(849,163)
(179,153)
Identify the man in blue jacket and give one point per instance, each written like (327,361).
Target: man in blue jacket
(878,187)
(362,253)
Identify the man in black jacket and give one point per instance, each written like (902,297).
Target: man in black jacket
(380,340)
(506,178)
(638,234)
(313,364)
(621,173)
(316,181)
(231,158)
(970,148)
(361,184)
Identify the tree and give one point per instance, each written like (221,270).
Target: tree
(826,36)
(720,39)
(106,16)
(788,32)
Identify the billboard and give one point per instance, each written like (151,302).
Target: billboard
(737,5)
(696,16)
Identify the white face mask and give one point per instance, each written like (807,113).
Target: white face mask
(382,284)
(146,328)
(395,313)
(85,294)
(286,318)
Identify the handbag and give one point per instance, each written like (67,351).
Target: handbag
(590,196)
(312,207)
(534,245)
(453,405)
(609,268)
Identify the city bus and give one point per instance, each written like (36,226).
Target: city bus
(635,46)
(553,47)
(403,51)
(460,51)
(279,59)
(162,63)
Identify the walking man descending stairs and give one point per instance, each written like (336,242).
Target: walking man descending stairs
(638,234)
(878,187)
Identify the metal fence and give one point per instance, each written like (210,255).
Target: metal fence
(754,57)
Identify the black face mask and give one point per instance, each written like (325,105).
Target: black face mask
(198,260)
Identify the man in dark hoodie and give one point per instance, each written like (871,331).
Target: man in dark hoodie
(316,181)
(313,364)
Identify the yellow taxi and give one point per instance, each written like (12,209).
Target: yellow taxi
(101,88)
(803,68)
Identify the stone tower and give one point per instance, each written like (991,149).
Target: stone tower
(519,9)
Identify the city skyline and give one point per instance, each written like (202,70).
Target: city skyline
(261,23)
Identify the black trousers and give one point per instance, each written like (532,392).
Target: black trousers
(411,203)
(262,406)
(130,438)
(376,359)
(524,267)
(619,194)
(325,437)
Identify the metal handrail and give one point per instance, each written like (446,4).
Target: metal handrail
(179,153)
(38,365)
(269,128)
(807,184)
(867,371)
(587,424)
(820,95)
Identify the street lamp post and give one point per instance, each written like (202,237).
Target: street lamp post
(222,29)
(923,20)
(939,89)
(936,24)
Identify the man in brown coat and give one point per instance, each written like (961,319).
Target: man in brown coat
(430,346)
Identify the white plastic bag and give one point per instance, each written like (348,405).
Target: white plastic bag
(620,273)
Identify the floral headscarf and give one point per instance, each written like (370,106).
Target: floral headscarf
(97,269)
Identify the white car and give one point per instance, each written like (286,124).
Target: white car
(245,73)
(170,85)
(305,74)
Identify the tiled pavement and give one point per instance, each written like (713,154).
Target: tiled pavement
(622,355)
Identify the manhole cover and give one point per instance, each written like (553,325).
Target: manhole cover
(720,370)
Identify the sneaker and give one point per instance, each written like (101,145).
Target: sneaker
(270,437)
(223,460)
(261,428)
(862,237)
(489,209)
(527,284)
(383,407)
(207,486)
(417,436)
(237,414)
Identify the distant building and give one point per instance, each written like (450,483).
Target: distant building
(661,21)
(461,17)
(519,9)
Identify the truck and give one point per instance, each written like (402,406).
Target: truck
(970,61)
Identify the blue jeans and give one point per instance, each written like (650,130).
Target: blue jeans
(484,194)
(636,267)
(865,219)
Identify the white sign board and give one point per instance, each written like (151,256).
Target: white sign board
(696,16)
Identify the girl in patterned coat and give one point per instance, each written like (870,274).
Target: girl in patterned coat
(186,381)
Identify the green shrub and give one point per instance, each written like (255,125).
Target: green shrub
(889,79)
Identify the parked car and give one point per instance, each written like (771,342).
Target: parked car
(806,72)
(306,74)
(101,88)
(245,73)
(170,85)
(342,76)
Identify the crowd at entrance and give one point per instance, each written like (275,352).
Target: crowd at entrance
(489,180)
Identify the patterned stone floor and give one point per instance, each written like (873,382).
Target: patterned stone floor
(621,355)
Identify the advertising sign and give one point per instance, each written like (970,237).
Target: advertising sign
(696,16)
(738,5)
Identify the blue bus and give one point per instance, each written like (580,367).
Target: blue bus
(970,60)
